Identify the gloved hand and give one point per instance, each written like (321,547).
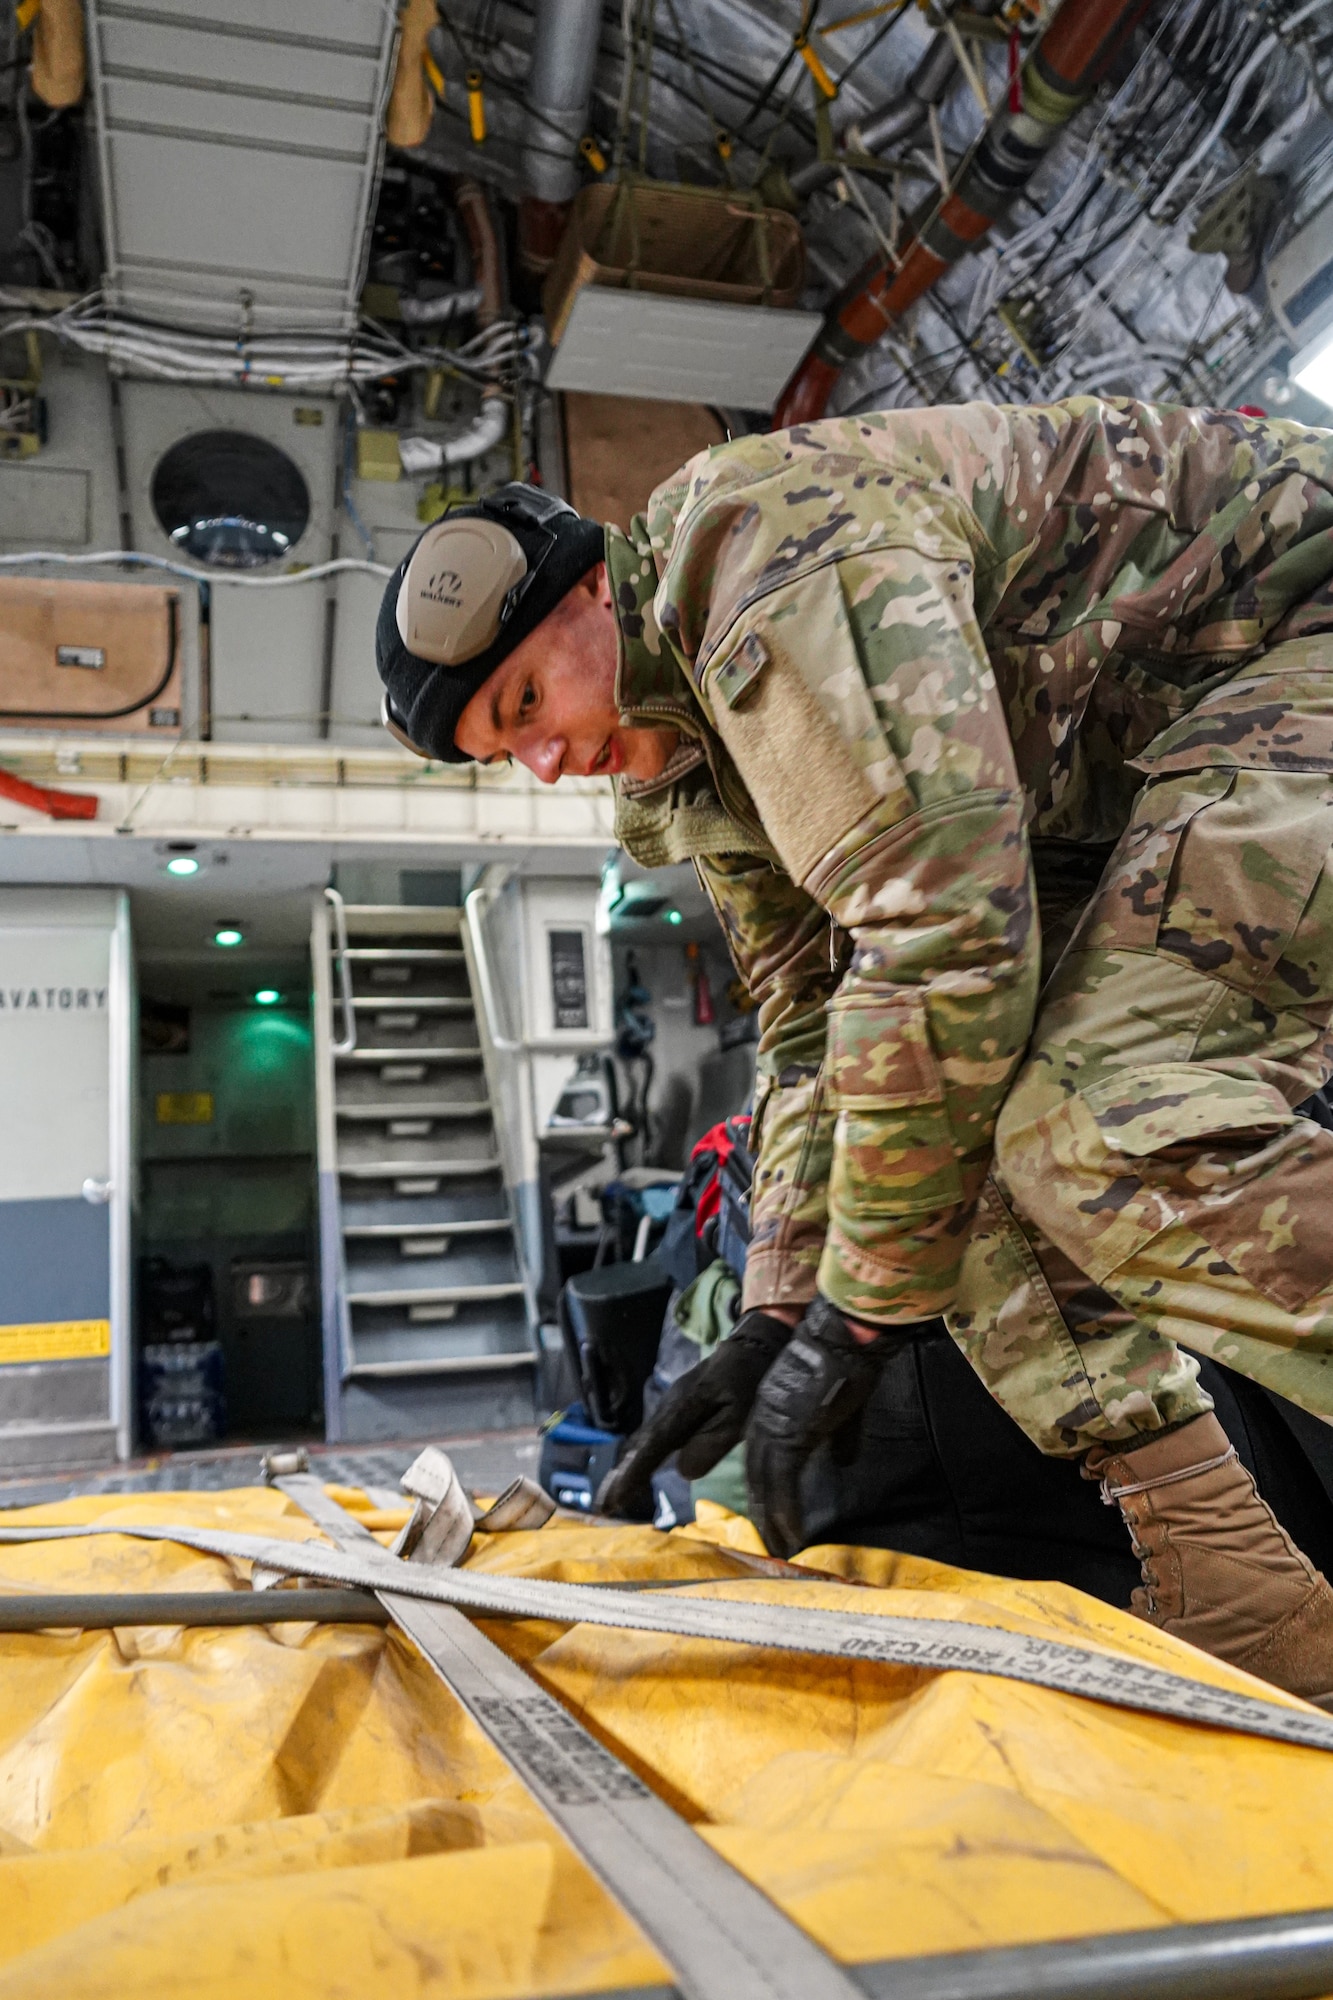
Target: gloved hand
(816,1389)
(702,1416)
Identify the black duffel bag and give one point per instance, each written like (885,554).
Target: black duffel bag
(611,1321)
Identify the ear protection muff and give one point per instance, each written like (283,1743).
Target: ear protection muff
(457,587)
(474,586)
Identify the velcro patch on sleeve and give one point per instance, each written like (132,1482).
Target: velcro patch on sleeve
(735,679)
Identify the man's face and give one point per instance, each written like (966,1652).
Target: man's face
(552,703)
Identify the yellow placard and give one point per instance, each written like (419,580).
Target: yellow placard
(56,1340)
(185,1107)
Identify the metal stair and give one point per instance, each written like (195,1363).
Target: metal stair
(429,1324)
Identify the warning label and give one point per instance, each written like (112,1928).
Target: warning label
(55,1340)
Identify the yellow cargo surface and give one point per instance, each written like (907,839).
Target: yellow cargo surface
(304,1811)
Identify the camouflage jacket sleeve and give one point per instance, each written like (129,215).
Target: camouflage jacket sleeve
(859,707)
(786,950)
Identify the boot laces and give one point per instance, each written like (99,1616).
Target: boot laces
(1112,1495)
(1144,1556)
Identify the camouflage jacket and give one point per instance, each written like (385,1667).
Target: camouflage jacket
(903,648)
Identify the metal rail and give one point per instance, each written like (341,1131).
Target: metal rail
(571,1041)
(102,1610)
(1253,1958)
(939,1645)
(347,1044)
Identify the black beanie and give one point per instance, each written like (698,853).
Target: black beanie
(427,699)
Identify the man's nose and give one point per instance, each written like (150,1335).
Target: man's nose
(544,758)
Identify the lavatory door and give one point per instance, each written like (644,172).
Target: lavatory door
(65,1054)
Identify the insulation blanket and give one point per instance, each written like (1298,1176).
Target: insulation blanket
(306,1811)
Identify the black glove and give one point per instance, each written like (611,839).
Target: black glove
(816,1389)
(702,1416)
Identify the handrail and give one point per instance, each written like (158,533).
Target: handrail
(573,1041)
(1260,1958)
(339,908)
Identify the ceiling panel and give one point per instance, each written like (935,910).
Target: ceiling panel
(239,159)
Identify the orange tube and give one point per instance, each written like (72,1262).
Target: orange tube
(407,120)
(59,67)
(1063,70)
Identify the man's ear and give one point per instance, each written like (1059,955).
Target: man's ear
(597,583)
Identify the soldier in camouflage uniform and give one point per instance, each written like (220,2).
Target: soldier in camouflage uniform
(886,667)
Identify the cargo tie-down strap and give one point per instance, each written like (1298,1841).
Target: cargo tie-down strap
(936,1645)
(721,1936)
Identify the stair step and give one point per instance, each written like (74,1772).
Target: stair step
(413,954)
(404,1086)
(432,1282)
(392,1055)
(371,1204)
(444,1364)
(419,1003)
(418,1170)
(372,1113)
(429,1264)
(417,1145)
(377,1231)
(441,1295)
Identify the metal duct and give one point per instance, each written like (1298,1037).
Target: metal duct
(420,455)
(559,94)
(1057,79)
(486,296)
(904,114)
(456,304)
(411,106)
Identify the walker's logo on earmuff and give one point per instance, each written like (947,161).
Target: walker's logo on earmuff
(443,586)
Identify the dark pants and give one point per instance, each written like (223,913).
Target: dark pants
(942,1472)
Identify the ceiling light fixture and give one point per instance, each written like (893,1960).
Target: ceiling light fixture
(228,935)
(267,996)
(182,864)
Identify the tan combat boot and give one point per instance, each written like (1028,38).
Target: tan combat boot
(1217,1568)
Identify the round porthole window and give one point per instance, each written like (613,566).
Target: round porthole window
(230,500)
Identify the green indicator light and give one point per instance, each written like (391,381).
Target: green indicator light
(673,916)
(228,935)
(182,864)
(267,996)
